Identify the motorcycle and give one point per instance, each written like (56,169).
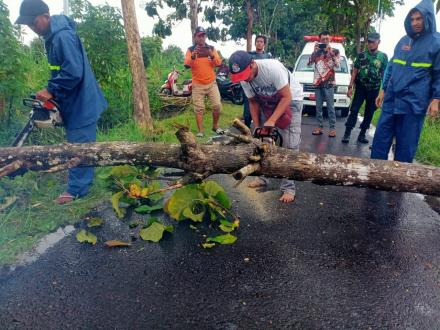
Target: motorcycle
(170,85)
(229,90)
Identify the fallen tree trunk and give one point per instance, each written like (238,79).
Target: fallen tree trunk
(255,158)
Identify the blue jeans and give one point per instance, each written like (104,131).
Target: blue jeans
(326,93)
(246,111)
(81,178)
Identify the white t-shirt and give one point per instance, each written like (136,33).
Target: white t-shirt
(272,76)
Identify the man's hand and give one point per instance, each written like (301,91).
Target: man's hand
(195,53)
(43,95)
(379,99)
(316,48)
(269,123)
(433,108)
(350,91)
(211,52)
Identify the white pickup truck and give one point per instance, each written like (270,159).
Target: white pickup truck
(304,75)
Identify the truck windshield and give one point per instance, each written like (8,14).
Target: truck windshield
(304,59)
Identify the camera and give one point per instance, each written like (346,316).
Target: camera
(322,46)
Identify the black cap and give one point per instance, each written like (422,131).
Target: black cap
(200,30)
(239,65)
(373,36)
(29,10)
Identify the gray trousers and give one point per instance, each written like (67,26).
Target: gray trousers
(326,93)
(291,140)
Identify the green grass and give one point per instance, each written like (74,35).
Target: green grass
(34,214)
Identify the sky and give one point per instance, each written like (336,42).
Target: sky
(391,28)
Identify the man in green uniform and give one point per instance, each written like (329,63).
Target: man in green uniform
(367,76)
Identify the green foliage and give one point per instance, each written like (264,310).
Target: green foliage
(151,47)
(12,71)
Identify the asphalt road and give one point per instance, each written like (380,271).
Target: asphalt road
(338,258)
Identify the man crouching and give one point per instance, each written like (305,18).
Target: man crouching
(275,100)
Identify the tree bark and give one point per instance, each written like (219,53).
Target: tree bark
(210,159)
(250,25)
(193,16)
(141,102)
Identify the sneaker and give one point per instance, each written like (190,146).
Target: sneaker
(346,137)
(218,131)
(362,139)
(200,135)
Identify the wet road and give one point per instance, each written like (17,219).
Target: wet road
(339,257)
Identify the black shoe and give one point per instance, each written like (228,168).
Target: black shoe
(362,139)
(346,137)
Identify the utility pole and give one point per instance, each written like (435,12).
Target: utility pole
(142,114)
(66,8)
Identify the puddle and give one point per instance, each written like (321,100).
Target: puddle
(42,246)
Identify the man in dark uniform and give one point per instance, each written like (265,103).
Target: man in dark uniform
(72,84)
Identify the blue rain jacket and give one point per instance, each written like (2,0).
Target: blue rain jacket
(412,79)
(72,81)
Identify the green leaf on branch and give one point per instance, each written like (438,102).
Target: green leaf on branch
(223,200)
(222,239)
(118,172)
(94,222)
(143,209)
(86,237)
(154,232)
(182,199)
(215,191)
(115,203)
(227,226)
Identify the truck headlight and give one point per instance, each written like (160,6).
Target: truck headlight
(342,90)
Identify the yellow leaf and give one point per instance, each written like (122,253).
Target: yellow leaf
(116,243)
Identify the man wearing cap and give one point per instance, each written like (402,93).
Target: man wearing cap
(72,84)
(368,71)
(411,86)
(202,59)
(258,54)
(275,100)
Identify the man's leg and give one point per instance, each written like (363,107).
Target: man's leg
(329,97)
(358,99)
(81,178)
(246,112)
(292,140)
(370,108)
(198,98)
(215,98)
(319,94)
(383,138)
(408,129)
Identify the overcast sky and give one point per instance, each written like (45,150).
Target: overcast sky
(391,29)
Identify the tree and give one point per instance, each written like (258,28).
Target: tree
(182,9)
(142,114)
(151,47)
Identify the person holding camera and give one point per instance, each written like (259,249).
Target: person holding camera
(325,59)
(202,59)
(369,68)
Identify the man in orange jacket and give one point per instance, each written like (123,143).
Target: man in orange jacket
(202,59)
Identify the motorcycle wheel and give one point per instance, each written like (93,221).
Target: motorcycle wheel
(238,96)
(165,91)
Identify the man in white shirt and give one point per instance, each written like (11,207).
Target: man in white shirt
(275,100)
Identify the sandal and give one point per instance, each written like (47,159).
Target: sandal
(317,131)
(200,135)
(332,133)
(64,198)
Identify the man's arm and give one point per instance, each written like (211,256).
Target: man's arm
(286,98)
(188,59)
(254,108)
(215,57)
(68,52)
(352,81)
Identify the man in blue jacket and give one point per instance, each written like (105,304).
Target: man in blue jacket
(72,84)
(411,86)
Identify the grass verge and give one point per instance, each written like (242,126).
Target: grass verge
(34,214)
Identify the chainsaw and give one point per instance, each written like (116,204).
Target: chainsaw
(43,115)
(269,134)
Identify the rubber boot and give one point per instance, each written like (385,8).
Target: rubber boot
(361,137)
(346,137)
